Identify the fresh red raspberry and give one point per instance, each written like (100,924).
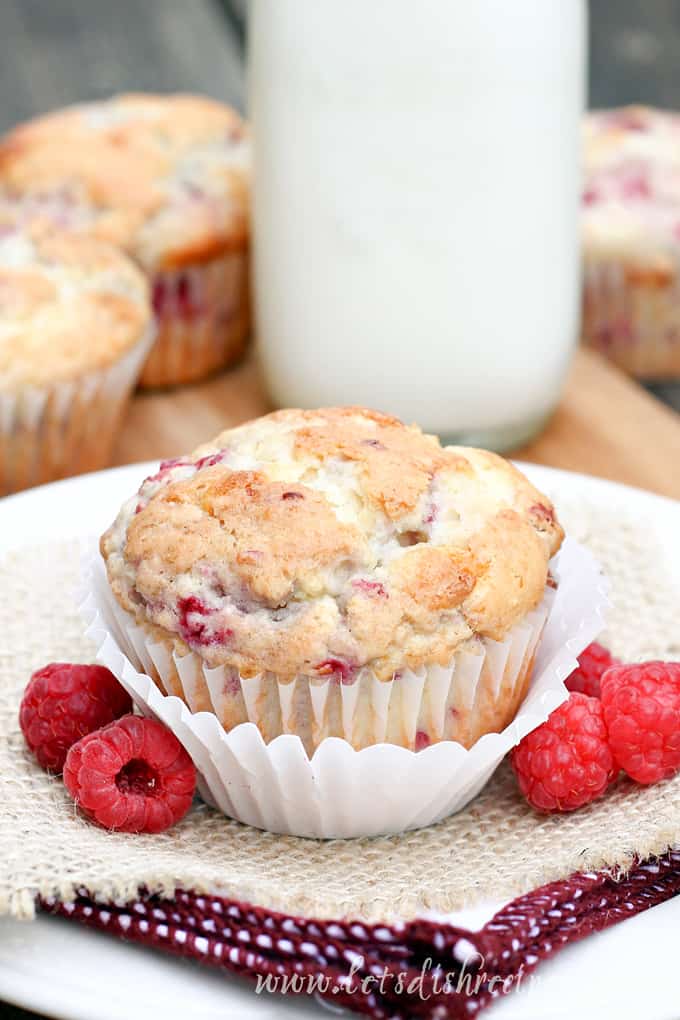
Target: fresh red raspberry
(566,762)
(641,706)
(133,776)
(62,703)
(592,663)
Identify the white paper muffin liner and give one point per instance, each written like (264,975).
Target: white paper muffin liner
(480,689)
(202,317)
(633,318)
(341,792)
(67,428)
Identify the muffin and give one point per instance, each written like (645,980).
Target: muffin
(163,177)
(336,573)
(631,239)
(75,328)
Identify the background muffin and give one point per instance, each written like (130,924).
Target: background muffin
(334,572)
(631,239)
(75,327)
(165,178)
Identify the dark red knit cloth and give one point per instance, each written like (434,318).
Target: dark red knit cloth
(419,969)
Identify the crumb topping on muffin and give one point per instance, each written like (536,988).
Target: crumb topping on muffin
(67,305)
(163,176)
(322,542)
(631,197)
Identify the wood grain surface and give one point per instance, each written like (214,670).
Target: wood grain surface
(605,425)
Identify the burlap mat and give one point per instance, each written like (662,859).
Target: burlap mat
(494,849)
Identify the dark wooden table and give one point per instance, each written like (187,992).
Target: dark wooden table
(54,52)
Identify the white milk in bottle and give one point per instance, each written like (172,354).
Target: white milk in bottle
(416,195)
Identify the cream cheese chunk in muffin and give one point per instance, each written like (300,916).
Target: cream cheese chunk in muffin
(322,542)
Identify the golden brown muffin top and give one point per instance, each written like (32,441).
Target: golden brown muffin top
(322,542)
(165,177)
(68,305)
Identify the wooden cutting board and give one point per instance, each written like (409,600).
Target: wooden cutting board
(605,425)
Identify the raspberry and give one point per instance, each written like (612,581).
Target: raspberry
(566,762)
(641,706)
(339,668)
(193,627)
(62,703)
(592,663)
(133,775)
(160,298)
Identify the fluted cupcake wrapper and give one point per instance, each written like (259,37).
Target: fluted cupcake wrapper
(633,318)
(461,701)
(203,318)
(66,428)
(339,791)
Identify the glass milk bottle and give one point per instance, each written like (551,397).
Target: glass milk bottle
(416,193)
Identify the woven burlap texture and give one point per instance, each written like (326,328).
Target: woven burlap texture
(494,849)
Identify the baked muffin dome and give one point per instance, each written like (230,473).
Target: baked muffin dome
(162,176)
(631,238)
(632,180)
(321,542)
(68,306)
(166,179)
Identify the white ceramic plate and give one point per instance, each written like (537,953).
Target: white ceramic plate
(65,971)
